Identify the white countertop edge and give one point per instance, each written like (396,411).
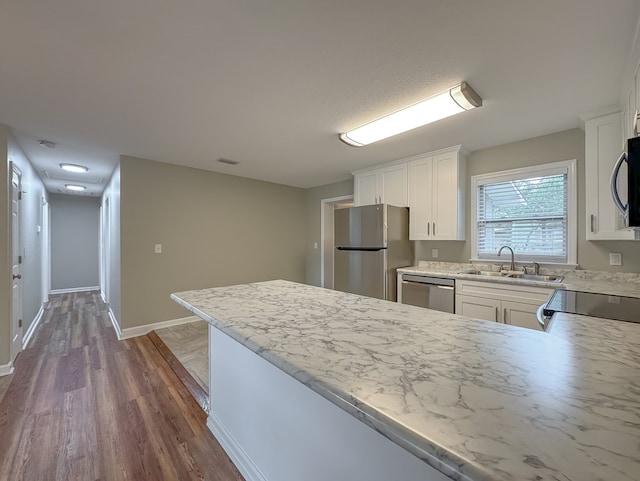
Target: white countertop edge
(436,456)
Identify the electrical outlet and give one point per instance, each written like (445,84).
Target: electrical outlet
(315,245)
(434,253)
(615,259)
(158,249)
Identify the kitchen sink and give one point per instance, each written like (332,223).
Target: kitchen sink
(535,277)
(484,273)
(514,275)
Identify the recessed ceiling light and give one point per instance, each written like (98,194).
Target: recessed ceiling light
(47,143)
(74,187)
(74,168)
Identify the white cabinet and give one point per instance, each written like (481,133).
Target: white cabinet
(437,184)
(509,304)
(385,185)
(603,147)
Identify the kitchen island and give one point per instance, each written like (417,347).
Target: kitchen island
(473,400)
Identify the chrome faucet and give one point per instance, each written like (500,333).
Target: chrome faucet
(513,262)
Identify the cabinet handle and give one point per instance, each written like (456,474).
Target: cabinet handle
(434,228)
(428,228)
(496,314)
(593,218)
(504,315)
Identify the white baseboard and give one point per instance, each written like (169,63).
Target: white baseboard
(74,289)
(116,324)
(238,456)
(147,328)
(32,328)
(6,369)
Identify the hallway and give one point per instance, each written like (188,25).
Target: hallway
(84,406)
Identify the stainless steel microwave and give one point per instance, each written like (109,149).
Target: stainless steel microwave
(630,210)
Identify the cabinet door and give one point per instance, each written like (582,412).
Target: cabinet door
(521,314)
(479,308)
(393,185)
(366,188)
(601,151)
(446,198)
(420,197)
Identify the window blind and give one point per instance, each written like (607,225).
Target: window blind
(530,215)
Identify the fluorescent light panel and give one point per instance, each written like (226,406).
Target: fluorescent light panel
(80,169)
(77,188)
(455,100)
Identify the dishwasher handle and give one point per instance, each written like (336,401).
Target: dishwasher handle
(438,281)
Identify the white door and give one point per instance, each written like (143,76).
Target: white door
(445,192)
(420,199)
(393,185)
(366,188)
(16,274)
(521,314)
(479,308)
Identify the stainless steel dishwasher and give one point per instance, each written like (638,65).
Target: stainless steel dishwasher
(430,292)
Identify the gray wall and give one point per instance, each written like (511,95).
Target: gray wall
(548,148)
(74,241)
(313,198)
(110,204)
(559,146)
(215,230)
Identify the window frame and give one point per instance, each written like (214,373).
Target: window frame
(563,167)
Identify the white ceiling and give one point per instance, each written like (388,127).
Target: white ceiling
(271,83)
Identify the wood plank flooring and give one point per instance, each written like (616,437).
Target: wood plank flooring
(182,371)
(84,406)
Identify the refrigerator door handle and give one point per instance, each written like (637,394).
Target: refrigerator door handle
(368,249)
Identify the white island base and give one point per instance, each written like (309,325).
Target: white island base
(274,428)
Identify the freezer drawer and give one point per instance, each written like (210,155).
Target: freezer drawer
(361,272)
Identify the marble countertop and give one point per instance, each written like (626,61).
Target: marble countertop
(476,400)
(616,284)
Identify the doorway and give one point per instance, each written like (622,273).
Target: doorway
(16,261)
(327,246)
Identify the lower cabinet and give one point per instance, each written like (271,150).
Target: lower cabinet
(509,304)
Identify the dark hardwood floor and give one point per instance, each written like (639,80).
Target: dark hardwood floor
(84,406)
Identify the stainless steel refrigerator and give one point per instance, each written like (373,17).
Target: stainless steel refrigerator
(371,241)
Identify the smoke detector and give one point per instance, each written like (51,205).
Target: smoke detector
(47,143)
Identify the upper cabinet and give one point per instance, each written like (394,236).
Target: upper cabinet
(602,149)
(382,185)
(436,196)
(432,185)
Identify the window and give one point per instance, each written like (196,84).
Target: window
(532,210)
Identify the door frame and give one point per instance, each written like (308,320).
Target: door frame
(16,329)
(105,248)
(327,245)
(46,249)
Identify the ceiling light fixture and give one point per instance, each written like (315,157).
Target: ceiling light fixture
(77,188)
(453,101)
(80,169)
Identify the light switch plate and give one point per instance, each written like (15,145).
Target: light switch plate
(158,249)
(615,259)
